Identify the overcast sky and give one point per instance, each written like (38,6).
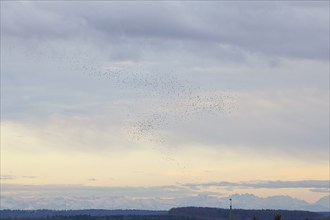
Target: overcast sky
(165,93)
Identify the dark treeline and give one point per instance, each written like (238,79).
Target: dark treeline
(111,217)
(186,213)
(245,214)
(6,213)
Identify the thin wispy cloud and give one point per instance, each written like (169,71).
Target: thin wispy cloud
(268,184)
(7,177)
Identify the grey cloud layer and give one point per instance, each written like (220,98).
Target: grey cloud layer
(273,29)
(64,49)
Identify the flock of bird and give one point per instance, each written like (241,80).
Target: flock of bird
(166,100)
(162,100)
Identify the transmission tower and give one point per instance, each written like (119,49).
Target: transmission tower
(231,215)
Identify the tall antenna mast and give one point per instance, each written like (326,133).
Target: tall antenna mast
(231,216)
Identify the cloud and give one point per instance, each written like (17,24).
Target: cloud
(320,190)
(314,184)
(169,191)
(29,177)
(65,134)
(287,121)
(7,177)
(13,177)
(273,29)
(264,123)
(152,198)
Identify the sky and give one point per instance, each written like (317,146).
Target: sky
(216,96)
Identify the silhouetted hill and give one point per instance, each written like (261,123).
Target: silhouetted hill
(327,214)
(244,214)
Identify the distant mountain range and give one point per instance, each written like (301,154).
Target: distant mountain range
(240,201)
